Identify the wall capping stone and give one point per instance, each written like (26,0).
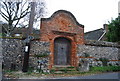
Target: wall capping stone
(101,43)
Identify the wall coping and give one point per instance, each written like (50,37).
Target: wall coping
(101,43)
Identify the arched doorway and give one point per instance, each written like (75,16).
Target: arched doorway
(62,51)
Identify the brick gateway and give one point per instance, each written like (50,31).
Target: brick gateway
(62,24)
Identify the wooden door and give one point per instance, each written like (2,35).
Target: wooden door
(62,51)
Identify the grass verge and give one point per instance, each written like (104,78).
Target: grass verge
(30,73)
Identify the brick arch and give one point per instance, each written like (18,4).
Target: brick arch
(62,51)
(62,36)
(73,57)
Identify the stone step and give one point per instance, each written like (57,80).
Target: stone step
(68,68)
(61,69)
(73,71)
(58,72)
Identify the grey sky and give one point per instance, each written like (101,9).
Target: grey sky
(91,13)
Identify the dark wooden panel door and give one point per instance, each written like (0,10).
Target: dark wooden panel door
(62,51)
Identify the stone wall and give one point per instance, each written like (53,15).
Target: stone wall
(39,52)
(97,50)
(12,51)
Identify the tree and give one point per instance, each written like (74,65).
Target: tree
(113,34)
(40,11)
(18,13)
(13,12)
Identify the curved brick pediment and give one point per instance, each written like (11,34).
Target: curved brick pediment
(62,22)
(63,14)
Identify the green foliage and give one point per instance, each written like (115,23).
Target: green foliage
(113,34)
(106,68)
(104,61)
(30,69)
(1,34)
(64,70)
(71,67)
(8,71)
(86,55)
(52,70)
(41,55)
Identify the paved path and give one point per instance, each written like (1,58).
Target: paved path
(97,77)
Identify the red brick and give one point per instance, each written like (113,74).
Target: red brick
(62,24)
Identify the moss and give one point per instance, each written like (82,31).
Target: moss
(41,55)
(71,67)
(86,55)
(104,61)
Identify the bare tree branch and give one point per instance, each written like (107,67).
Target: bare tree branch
(6,8)
(24,13)
(16,11)
(12,14)
(4,16)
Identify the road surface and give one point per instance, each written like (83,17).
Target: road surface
(98,77)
